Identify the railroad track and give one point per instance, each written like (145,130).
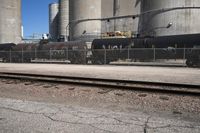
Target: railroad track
(111,83)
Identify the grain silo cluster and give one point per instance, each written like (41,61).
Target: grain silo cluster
(153,18)
(90,19)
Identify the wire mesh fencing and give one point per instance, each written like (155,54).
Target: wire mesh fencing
(99,56)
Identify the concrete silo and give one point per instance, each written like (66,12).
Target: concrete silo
(184,20)
(10,21)
(64,19)
(120,8)
(85,9)
(53,20)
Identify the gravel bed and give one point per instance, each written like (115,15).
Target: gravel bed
(97,97)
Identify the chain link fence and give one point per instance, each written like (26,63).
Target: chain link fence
(99,56)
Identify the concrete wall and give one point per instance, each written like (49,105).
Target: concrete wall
(85,9)
(185,21)
(126,7)
(10,21)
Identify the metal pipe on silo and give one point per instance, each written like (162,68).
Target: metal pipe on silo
(116,11)
(53,21)
(85,9)
(185,20)
(116,7)
(10,21)
(63,19)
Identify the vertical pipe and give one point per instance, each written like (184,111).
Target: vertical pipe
(116,7)
(116,11)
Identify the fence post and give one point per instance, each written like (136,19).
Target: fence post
(154,54)
(50,54)
(128,53)
(184,55)
(104,56)
(22,55)
(10,55)
(85,56)
(35,53)
(67,53)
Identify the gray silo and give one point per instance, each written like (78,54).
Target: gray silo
(53,20)
(120,8)
(64,19)
(85,9)
(184,20)
(10,21)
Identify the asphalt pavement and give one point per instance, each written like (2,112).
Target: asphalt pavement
(17,116)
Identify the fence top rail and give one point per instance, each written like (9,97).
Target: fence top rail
(33,50)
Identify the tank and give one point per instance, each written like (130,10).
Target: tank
(170,22)
(120,8)
(10,21)
(53,20)
(64,19)
(85,9)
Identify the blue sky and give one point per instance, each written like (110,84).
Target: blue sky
(35,16)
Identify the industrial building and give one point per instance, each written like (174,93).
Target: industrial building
(83,20)
(153,18)
(72,12)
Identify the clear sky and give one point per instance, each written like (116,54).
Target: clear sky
(35,16)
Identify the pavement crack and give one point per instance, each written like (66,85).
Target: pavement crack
(146,124)
(17,110)
(104,130)
(191,127)
(166,126)
(76,123)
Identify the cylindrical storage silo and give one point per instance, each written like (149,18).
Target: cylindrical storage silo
(53,21)
(120,8)
(156,22)
(10,21)
(128,7)
(64,19)
(85,9)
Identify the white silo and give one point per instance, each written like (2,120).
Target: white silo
(10,21)
(53,21)
(85,9)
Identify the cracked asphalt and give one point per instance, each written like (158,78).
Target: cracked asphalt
(25,116)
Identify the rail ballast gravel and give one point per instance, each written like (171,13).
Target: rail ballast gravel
(112,83)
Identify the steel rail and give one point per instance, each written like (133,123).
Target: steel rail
(111,83)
